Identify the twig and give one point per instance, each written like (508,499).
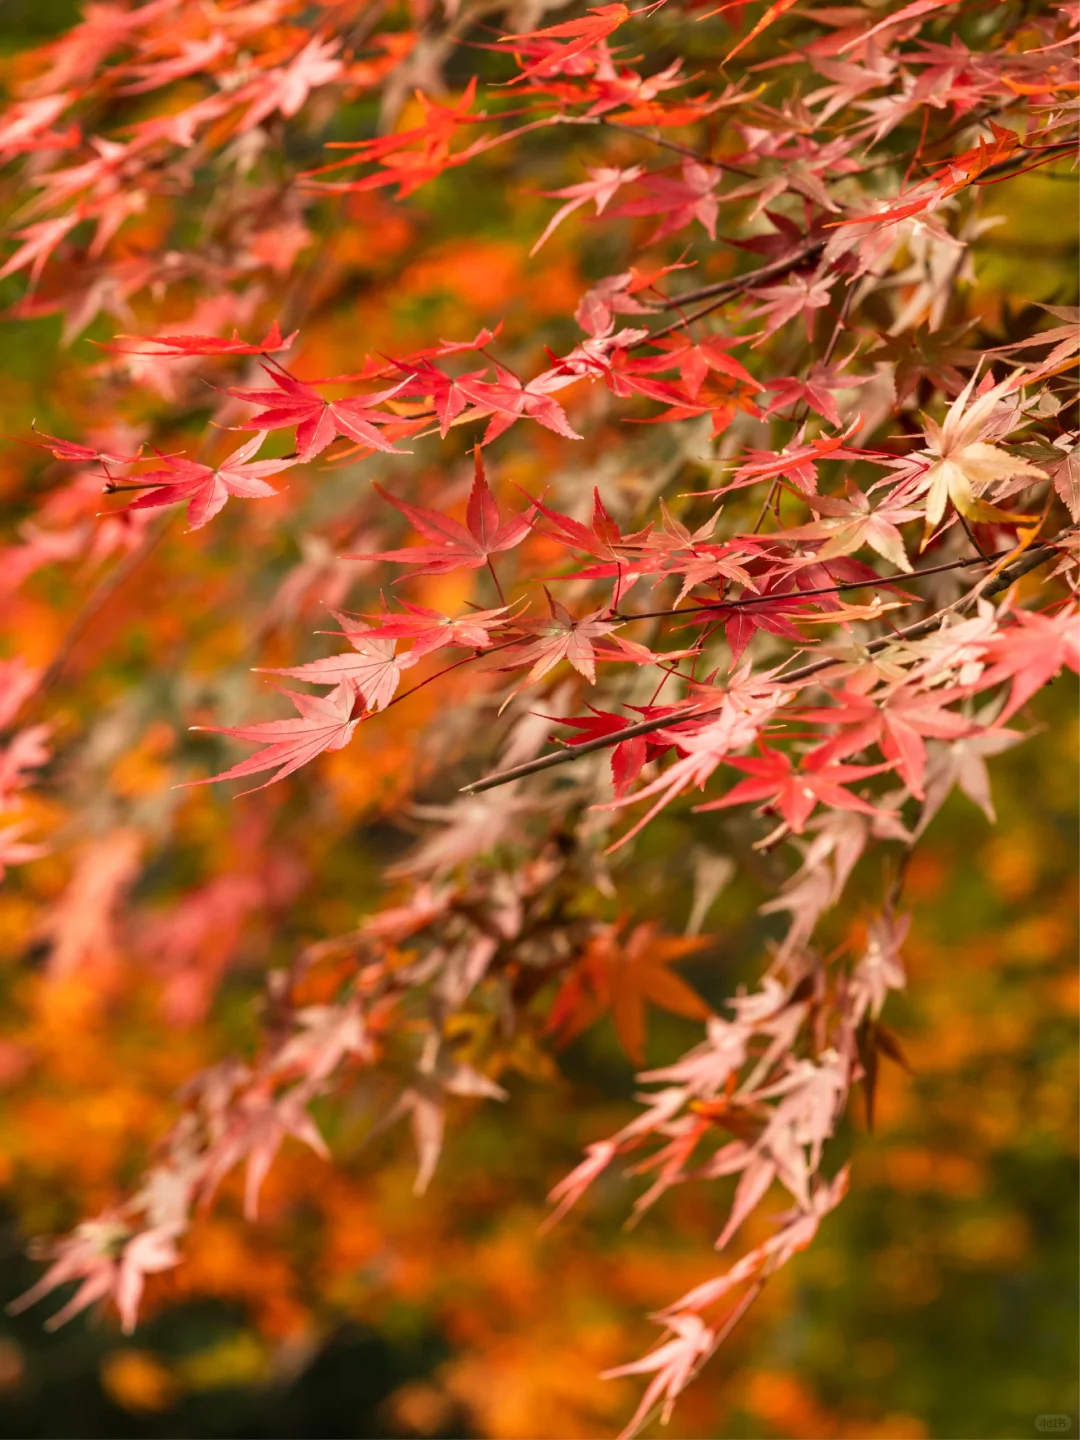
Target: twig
(753,277)
(670,145)
(747,602)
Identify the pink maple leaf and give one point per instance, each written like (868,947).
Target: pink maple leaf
(326,722)
(108,1261)
(603,182)
(372,667)
(673,1365)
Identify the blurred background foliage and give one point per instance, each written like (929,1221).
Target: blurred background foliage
(939,1301)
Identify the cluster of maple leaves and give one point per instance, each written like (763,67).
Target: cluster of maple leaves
(772,654)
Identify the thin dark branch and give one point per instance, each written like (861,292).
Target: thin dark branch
(1035,557)
(771,271)
(690,154)
(747,602)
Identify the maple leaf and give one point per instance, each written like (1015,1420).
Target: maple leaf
(1031,652)
(734,720)
(603,182)
(27,751)
(602,539)
(897,722)
(206,488)
(628,756)
(695,359)
(25,125)
(614,295)
(570,1189)
(853,523)
(411,158)
(816,391)
(14,850)
(372,667)
(287,87)
(457,546)
(1065,474)
(80,454)
(915,10)
(581,36)
(772,14)
(963,764)
(326,1034)
(794,794)
(800,295)
(177,345)
(681,201)
(620,974)
(798,463)
(510,400)
(192,57)
(431,630)
(676,550)
(424,1101)
(962,463)
(318,422)
(675,1364)
(448,398)
(39,241)
(256,1128)
(325,722)
(108,1259)
(561,637)
(770,616)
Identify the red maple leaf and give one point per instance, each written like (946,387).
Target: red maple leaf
(581,34)
(509,400)
(604,181)
(602,539)
(206,488)
(794,793)
(318,422)
(621,973)
(693,197)
(896,722)
(71,450)
(1032,652)
(448,396)
(431,630)
(628,756)
(470,546)
(175,345)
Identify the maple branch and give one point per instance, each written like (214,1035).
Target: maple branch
(669,145)
(1037,556)
(770,271)
(746,602)
(724,289)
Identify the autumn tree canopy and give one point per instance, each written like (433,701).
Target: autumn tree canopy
(587,437)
